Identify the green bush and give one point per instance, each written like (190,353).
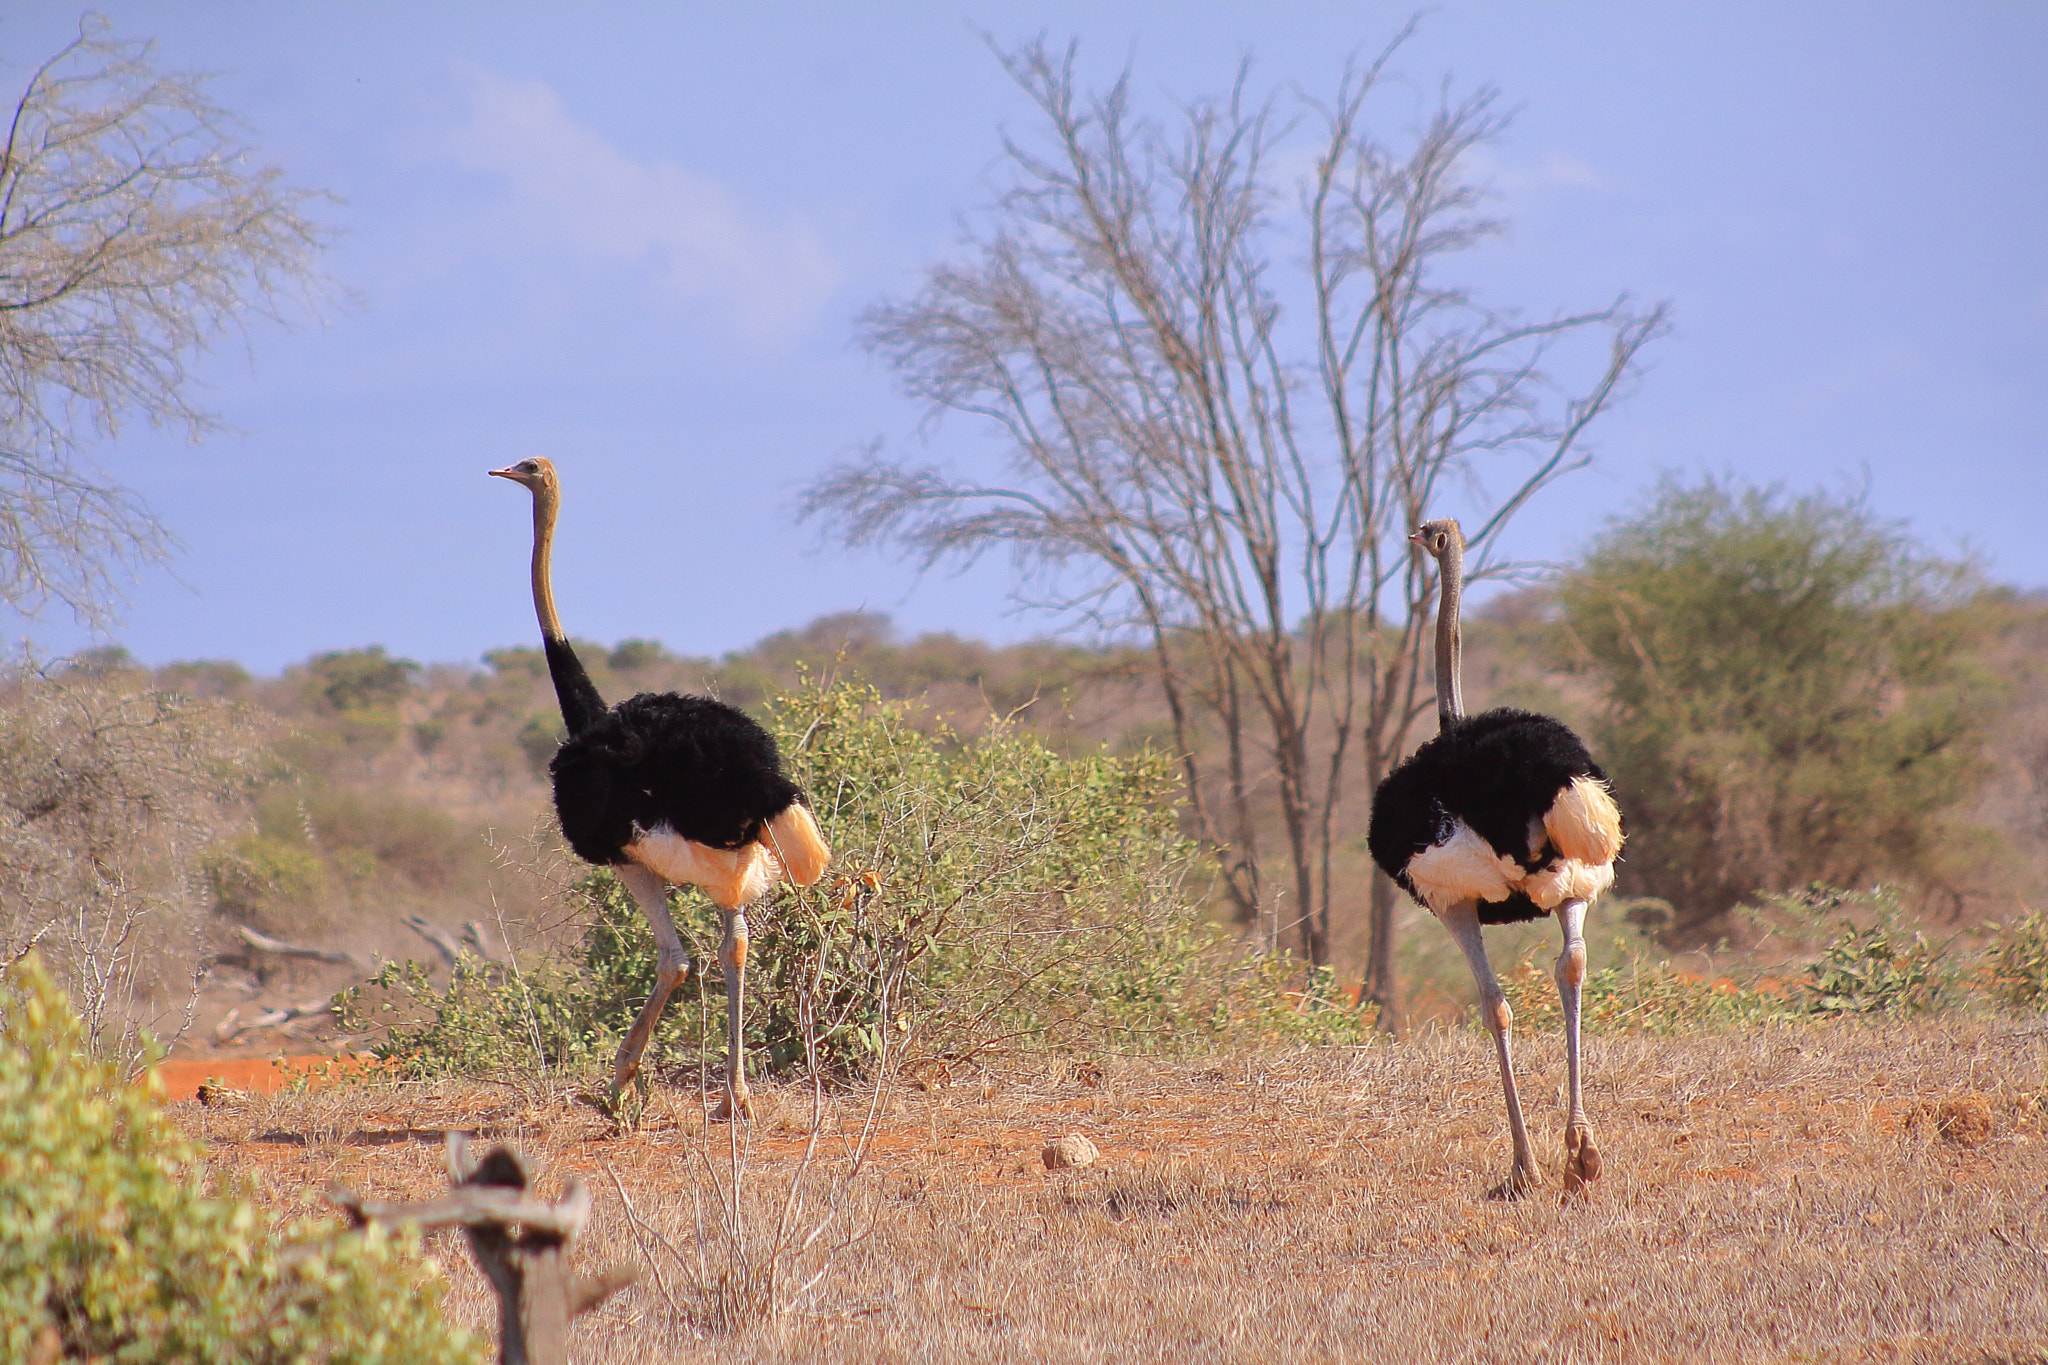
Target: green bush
(1880,970)
(257,877)
(1634,997)
(111,1248)
(1791,693)
(986,894)
(2016,968)
(346,680)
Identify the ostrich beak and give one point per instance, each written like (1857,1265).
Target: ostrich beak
(1414,537)
(508,472)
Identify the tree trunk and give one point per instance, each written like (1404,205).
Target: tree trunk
(1383,982)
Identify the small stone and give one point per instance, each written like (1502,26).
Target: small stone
(1069,1153)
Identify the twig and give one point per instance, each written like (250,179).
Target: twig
(642,1230)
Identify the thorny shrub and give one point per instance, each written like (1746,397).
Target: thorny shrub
(111,1247)
(986,894)
(109,793)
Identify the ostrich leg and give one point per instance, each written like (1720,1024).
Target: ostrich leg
(670,968)
(1582,1158)
(732,956)
(1462,920)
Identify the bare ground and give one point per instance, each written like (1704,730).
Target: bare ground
(1819,1192)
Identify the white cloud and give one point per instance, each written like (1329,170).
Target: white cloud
(575,191)
(1552,171)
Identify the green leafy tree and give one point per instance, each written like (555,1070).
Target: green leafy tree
(112,1249)
(347,680)
(1791,697)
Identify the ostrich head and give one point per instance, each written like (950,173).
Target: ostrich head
(1445,541)
(1439,536)
(537,473)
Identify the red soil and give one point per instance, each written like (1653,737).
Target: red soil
(260,1075)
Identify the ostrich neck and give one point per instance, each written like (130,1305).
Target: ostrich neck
(581,706)
(1450,697)
(545,504)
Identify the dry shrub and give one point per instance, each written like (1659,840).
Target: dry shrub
(109,793)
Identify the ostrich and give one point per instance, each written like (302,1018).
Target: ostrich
(668,789)
(1502,817)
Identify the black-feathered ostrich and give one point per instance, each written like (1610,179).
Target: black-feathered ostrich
(1503,816)
(668,789)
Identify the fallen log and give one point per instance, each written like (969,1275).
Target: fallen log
(277,947)
(234,1026)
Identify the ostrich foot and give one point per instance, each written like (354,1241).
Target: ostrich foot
(623,1102)
(1521,1180)
(1582,1160)
(734,1104)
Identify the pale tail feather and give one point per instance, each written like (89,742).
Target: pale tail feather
(1584,822)
(797,842)
(1567,879)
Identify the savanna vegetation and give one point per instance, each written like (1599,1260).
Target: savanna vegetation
(1110,894)
(1860,717)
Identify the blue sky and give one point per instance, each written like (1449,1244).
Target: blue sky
(634,238)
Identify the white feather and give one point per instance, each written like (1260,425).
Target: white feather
(1461,867)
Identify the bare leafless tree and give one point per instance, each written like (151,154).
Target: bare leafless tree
(1225,406)
(134,233)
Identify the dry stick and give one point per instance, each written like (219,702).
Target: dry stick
(521,1244)
(642,1229)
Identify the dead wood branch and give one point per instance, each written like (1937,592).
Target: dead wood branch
(521,1243)
(264,943)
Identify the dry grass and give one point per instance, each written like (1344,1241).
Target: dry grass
(1820,1192)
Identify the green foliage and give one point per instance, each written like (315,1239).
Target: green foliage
(517,661)
(538,740)
(1880,970)
(1790,696)
(1638,997)
(2017,963)
(111,1248)
(257,878)
(986,894)
(547,1018)
(1876,967)
(312,839)
(347,680)
(635,654)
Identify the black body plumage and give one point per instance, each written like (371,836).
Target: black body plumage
(693,765)
(1497,772)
